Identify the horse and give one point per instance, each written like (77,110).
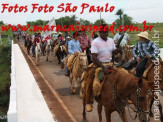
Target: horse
(28,46)
(88,52)
(61,52)
(149,75)
(38,53)
(48,49)
(124,56)
(117,88)
(80,63)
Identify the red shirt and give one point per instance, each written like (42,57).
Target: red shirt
(37,39)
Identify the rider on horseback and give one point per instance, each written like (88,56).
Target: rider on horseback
(144,50)
(37,39)
(85,43)
(125,40)
(73,49)
(102,48)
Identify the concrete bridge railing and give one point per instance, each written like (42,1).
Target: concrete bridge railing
(12,111)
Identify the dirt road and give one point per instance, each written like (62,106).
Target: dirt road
(56,91)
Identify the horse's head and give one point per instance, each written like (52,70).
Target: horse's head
(83,60)
(141,96)
(61,48)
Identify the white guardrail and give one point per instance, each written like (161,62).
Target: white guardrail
(12,111)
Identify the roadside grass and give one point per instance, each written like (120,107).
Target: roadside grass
(5,70)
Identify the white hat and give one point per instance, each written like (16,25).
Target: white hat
(143,34)
(60,33)
(68,37)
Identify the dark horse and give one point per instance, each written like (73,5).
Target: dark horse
(28,44)
(88,53)
(61,53)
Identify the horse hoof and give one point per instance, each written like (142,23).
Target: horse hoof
(71,92)
(151,114)
(84,120)
(74,91)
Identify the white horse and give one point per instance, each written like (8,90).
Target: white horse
(48,49)
(38,53)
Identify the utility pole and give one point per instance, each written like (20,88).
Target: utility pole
(123,20)
(100,17)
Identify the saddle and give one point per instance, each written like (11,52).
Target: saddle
(56,48)
(98,78)
(131,65)
(70,60)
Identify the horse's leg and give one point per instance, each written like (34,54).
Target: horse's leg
(70,79)
(107,114)
(46,55)
(28,48)
(123,116)
(36,59)
(58,57)
(75,82)
(99,109)
(161,114)
(84,113)
(150,109)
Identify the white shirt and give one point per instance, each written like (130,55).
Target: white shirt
(103,49)
(124,40)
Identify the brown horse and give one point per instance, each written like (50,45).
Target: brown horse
(155,66)
(117,87)
(125,55)
(79,65)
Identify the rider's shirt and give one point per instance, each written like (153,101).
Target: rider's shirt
(103,49)
(147,48)
(74,46)
(84,41)
(37,39)
(125,38)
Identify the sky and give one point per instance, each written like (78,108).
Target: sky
(139,10)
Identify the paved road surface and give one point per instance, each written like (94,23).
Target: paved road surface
(60,83)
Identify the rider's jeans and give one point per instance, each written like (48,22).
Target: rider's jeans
(141,67)
(33,49)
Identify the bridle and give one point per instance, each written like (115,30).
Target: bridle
(124,103)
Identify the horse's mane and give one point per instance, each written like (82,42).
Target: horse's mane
(76,65)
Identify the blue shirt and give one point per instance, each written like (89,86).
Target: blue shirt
(74,46)
(147,48)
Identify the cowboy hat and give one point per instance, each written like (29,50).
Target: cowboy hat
(60,33)
(143,34)
(68,37)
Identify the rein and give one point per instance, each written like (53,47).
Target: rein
(124,103)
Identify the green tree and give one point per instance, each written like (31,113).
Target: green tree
(127,20)
(73,19)
(1,23)
(119,13)
(99,22)
(84,22)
